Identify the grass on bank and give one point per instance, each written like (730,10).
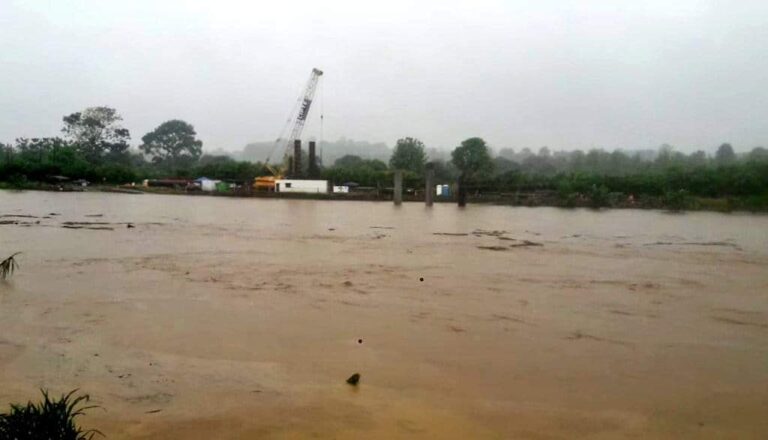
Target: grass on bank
(8,265)
(49,419)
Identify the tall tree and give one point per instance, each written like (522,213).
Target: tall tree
(96,131)
(725,154)
(172,143)
(409,155)
(472,159)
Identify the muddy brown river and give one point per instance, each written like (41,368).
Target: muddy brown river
(242,318)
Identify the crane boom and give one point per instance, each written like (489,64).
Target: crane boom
(298,115)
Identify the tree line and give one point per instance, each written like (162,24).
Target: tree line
(95,146)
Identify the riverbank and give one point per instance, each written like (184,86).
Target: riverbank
(676,202)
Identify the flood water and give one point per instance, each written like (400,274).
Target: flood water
(214,317)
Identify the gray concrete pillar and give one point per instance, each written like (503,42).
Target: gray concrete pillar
(312,166)
(297,158)
(429,187)
(398,195)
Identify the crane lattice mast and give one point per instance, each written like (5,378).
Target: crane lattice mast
(298,115)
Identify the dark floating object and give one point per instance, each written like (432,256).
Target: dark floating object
(354,379)
(421,279)
(359,341)
(129,226)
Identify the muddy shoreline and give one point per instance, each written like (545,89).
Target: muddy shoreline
(724,205)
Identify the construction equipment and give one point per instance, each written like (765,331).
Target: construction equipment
(295,124)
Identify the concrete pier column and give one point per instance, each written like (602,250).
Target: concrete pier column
(398,195)
(297,158)
(429,187)
(461,192)
(312,170)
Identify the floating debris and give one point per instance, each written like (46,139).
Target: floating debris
(94,228)
(695,243)
(493,248)
(525,243)
(354,379)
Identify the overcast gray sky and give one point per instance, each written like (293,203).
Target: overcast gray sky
(566,74)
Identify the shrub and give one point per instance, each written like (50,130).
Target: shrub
(52,419)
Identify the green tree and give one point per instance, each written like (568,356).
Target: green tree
(96,131)
(172,143)
(472,159)
(725,154)
(409,155)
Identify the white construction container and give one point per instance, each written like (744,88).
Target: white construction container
(207,184)
(301,186)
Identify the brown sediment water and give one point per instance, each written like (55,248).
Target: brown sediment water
(243,318)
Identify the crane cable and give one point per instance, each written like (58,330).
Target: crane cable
(322,117)
(282,143)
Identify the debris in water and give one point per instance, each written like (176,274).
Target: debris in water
(354,379)
(421,279)
(493,248)
(19,216)
(95,228)
(153,411)
(129,226)
(359,341)
(695,243)
(526,243)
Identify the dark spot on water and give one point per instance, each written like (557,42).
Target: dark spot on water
(359,341)
(421,279)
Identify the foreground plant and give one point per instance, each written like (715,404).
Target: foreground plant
(50,419)
(8,266)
